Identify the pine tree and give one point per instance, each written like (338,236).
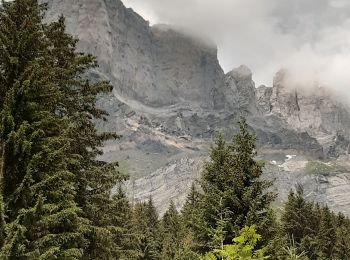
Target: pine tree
(94,178)
(145,232)
(233,175)
(20,46)
(301,221)
(171,230)
(295,219)
(326,237)
(121,225)
(48,110)
(291,252)
(42,218)
(193,223)
(244,247)
(318,233)
(219,232)
(342,245)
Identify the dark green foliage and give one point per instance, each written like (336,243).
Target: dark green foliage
(326,235)
(300,223)
(120,225)
(42,217)
(171,228)
(57,200)
(21,103)
(233,177)
(296,218)
(193,223)
(316,231)
(342,244)
(146,231)
(94,179)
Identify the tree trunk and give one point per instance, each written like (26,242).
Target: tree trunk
(2,165)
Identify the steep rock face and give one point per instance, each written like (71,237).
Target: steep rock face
(109,31)
(166,183)
(263,98)
(187,70)
(171,97)
(240,90)
(315,112)
(167,76)
(155,66)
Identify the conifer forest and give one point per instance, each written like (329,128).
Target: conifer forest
(56,200)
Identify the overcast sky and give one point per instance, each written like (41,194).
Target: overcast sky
(309,37)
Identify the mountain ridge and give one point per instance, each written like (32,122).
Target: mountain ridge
(171,97)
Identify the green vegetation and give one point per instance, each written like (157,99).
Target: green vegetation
(243,247)
(315,167)
(55,195)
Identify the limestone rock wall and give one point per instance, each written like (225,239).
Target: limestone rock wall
(171,98)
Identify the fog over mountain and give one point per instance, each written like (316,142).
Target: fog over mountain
(309,38)
(171,96)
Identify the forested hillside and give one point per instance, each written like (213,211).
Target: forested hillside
(56,197)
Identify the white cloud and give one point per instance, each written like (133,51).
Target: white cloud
(310,38)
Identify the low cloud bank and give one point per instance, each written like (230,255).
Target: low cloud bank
(310,38)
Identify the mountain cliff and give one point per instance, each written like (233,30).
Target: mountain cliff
(171,97)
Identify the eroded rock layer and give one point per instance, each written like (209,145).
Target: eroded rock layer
(171,97)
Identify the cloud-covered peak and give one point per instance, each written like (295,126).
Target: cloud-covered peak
(309,38)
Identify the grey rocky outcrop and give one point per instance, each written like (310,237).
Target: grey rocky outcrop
(171,97)
(314,111)
(156,66)
(241,90)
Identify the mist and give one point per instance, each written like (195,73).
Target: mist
(311,39)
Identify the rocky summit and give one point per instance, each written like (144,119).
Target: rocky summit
(171,97)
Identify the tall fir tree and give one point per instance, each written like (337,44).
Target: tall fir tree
(172,233)
(121,225)
(94,178)
(317,232)
(49,143)
(20,46)
(233,176)
(342,245)
(326,235)
(300,222)
(193,222)
(42,218)
(146,237)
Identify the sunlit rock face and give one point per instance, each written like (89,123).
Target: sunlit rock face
(171,98)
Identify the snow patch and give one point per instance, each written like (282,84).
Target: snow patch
(290,157)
